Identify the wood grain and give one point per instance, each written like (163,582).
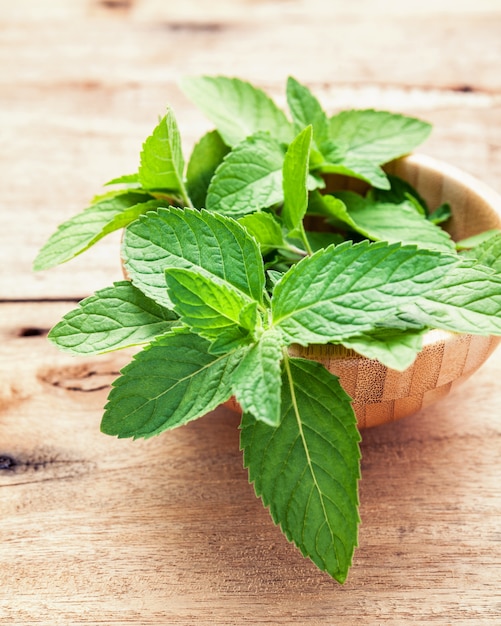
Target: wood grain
(95,530)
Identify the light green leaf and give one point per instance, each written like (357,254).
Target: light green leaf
(207,155)
(306,110)
(257,381)
(307,469)
(249,179)
(129,180)
(376,136)
(191,239)
(162,162)
(467,300)
(334,209)
(113,318)
(236,108)
(295,177)
(86,228)
(172,381)
(354,167)
(383,221)
(346,290)
(396,349)
(265,229)
(212,308)
(485,248)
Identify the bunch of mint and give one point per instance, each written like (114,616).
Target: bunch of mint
(224,275)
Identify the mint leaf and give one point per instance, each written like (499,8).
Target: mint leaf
(376,136)
(383,221)
(307,469)
(257,380)
(345,290)
(172,381)
(129,180)
(249,179)
(212,308)
(207,155)
(191,239)
(467,300)
(353,166)
(85,229)
(396,349)
(306,110)
(486,248)
(113,318)
(400,191)
(162,162)
(441,214)
(236,108)
(265,229)
(295,178)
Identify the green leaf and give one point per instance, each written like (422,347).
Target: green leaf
(354,167)
(400,191)
(113,318)
(162,162)
(295,178)
(394,348)
(172,381)
(213,308)
(191,239)
(484,247)
(236,108)
(249,179)
(257,380)
(307,469)
(382,221)
(346,290)
(265,229)
(441,214)
(83,230)
(467,300)
(376,136)
(207,155)
(129,180)
(306,110)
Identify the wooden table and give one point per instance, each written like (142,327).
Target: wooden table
(95,530)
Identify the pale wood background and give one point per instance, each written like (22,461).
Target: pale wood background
(99,531)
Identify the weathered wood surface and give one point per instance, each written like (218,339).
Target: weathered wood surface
(167,531)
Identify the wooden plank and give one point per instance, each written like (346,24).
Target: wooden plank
(167,531)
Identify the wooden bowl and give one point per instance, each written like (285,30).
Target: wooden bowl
(380,394)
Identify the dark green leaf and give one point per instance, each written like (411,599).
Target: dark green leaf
(172,381)
(307,469)
(207,155)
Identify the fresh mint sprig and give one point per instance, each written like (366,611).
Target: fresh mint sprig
(218,295)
